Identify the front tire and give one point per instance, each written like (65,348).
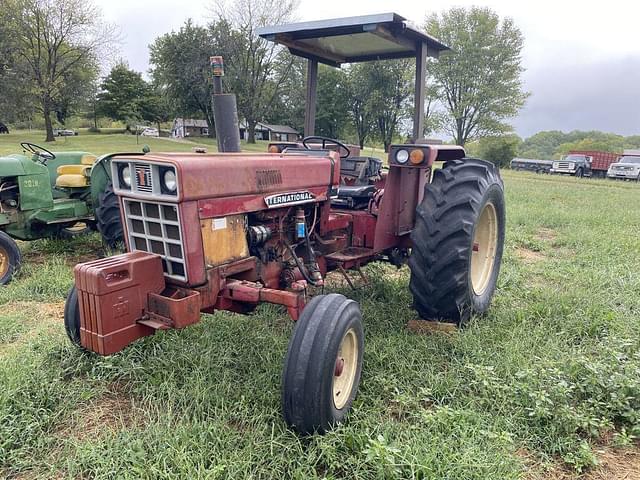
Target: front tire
(579,173)
(458,240)
(107,215)
(10,258)
(72,317)
(323,364)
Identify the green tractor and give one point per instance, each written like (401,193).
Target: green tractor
(47,195)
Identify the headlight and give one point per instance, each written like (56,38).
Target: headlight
(169,180)
(125,176)
(402,156)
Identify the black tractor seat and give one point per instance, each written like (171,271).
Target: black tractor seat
(362,169)
(354,196)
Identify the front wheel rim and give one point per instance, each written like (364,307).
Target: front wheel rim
(346,366)
(4,262)
(484,248)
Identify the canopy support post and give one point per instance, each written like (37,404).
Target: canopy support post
(421,74)
(312,86)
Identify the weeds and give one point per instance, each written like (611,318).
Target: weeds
(551,370)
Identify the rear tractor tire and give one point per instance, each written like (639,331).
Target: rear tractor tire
(458,241)
(323,364)
(108,221)
(10,258)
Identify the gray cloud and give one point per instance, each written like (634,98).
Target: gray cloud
(603,95)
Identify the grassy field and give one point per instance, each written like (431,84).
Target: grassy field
(100,143)
(547,385)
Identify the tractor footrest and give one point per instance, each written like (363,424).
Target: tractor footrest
(351,256)
(153,323)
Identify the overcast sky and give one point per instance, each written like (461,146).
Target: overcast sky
(582,59)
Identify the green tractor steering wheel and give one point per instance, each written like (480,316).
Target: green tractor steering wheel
(42,153)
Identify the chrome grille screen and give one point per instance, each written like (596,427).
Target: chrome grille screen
(155,228)
(144,182)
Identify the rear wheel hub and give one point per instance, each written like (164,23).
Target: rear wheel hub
(484,247)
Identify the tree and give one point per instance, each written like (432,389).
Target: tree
(123,95)
(180,67)
(332,100)
(499,150)
(480,77)
(289,106)
(53,41)
(391,90)
(257,69)
(359,105)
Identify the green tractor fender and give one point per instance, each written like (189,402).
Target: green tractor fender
(100,178)
(106,208)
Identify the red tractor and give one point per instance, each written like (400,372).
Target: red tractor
(227,231)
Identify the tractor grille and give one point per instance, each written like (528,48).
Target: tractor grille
(144,182)
(155,228)
(565,165)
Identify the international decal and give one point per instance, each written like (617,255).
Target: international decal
(288,198)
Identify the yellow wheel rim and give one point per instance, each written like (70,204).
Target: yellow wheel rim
(485,245)
(346,366)
(4,262)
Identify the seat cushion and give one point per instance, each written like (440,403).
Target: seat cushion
(356,191)
(73,170)
(71,180)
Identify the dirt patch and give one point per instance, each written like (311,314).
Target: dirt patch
(546,235)
(617,464)
(529,256)
(423,327)
(36,312)
(113,410)
(613,464)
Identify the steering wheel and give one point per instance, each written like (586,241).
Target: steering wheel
(43,154)
(325,140)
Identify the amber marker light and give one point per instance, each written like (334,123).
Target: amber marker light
(416,156)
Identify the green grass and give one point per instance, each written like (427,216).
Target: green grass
(110,143)
(551,371)
(115,142)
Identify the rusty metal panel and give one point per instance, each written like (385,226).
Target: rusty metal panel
(224,239)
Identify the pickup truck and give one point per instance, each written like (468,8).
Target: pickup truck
(627,168)
(585,163)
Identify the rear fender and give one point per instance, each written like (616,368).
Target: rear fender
(100,178)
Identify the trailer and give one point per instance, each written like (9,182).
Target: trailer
(531,165)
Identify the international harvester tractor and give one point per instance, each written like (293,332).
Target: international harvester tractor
(228,231)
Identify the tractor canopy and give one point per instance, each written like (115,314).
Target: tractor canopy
(357,39)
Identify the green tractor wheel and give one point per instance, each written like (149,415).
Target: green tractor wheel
(108,218)
(10,258)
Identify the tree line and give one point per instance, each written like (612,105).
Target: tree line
(51,65)
(548,145)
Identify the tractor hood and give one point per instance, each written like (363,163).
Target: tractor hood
(222,176)
(14,165)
